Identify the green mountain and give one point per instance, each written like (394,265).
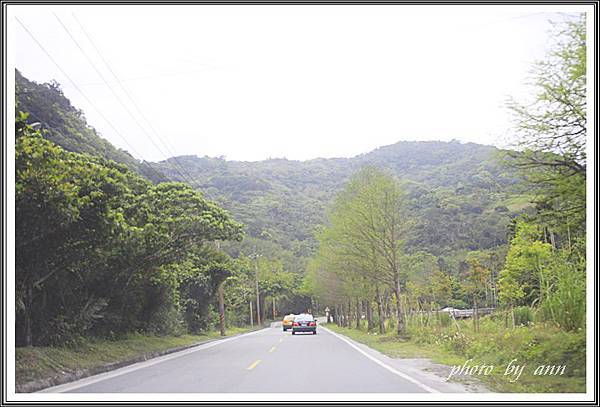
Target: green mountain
(66,126)
(460,193)
(461,196)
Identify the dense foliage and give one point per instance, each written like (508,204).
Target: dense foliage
(546,262)
(462,197)
(372,249)
(100,250)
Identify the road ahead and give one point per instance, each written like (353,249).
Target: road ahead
(265,361)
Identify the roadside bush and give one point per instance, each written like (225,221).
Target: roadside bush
(564,304)
(444,319)
(62,332)
(523,316)
(391,325)
(166,321)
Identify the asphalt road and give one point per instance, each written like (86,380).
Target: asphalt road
(265,361)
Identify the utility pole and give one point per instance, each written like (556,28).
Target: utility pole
(251,315)
(273,308)
(221,300)
(257,292)
(221,310)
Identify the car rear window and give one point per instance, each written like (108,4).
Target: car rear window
(304,318)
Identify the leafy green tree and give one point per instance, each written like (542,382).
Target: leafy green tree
(478,281)
(99,249)
(523,280)
(426,282)
(67,219)
(65,125)
(239,291)
(552,130)
(368,223)
(536,274)
(206,270)
(275,283)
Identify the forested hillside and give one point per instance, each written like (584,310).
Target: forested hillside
(66,126)
(461,195)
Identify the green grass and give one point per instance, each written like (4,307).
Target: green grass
(33,363)
(531,345)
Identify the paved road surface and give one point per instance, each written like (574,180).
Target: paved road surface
(265,361)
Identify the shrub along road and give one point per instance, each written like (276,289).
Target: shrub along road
(266,361)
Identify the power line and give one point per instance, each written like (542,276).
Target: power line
(113,91)
(139,78)
(81,92)
(128,94)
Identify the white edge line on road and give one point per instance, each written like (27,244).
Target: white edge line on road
(380,363)
(61,388)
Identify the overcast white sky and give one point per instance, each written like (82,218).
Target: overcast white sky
(252,82)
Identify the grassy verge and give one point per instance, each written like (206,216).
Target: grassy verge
(531,345)
(34,363)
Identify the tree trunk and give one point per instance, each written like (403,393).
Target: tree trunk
(263,311)
(367,306)
(512,316)
(476,315)
(358,314)
(399,314)
(386,301)
(251,314)
(380,312)
(349,313)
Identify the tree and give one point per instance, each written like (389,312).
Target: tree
(551,129)
(545,265)
(536,274)
(427,285)
(478,281)
(363,243)
(99,250)
(522,280)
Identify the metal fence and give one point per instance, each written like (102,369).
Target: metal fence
(468,313)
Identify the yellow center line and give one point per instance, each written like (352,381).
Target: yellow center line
(281,340)
(253,365)
(273,349)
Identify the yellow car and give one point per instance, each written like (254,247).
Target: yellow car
(287,322)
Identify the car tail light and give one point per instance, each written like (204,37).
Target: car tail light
(312,324)
(296,324)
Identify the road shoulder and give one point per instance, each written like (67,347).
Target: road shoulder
(66,378)
(422,370)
